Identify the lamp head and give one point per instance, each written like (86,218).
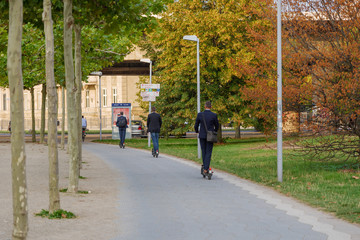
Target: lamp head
(145,60)
(96,73)
(191,38)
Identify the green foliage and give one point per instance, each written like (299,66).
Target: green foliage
(64,190)
(33,50)
(3,53)
(33,55)
(59,214)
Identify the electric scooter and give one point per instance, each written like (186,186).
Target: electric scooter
(154,154)
(208,174)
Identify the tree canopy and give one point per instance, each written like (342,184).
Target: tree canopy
(221,28)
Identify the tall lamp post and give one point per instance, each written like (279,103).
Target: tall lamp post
(146,60)
(279,97)
(99,74)
(196,39)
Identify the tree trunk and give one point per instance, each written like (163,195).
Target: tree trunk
(43,104)
(33,136)
(54,196)
(73,139)
(63,118)
(237,130)
(220,138)
(78,76)
(18,156)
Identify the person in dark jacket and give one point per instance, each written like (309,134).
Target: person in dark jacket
(212,124)
(122,123)
(153,125)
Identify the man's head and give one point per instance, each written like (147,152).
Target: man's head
(82,116)
(208,105)
(121,113)
(153,109)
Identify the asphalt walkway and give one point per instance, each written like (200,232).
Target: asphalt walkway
(167,198)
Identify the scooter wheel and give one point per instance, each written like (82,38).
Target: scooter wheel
(209,177)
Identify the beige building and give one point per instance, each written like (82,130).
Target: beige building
(118,85)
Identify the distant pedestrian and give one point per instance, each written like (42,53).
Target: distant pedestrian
(83,123)
(212,123)
(9,127)
(122,123)
(83,127)
(153,125)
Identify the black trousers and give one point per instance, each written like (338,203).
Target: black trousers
(206,150)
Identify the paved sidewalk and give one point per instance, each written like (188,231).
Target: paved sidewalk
(167,198)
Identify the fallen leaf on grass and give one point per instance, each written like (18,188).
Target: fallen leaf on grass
(355,177)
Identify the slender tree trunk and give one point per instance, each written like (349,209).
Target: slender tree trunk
(43,104)
(18,156)
(73,139)
(237,130)
(78,85)
(220,137)
(54,196)
(33,136)
(63,118)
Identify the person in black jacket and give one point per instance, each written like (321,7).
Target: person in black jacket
(153,125)
(212,124)
(122,123)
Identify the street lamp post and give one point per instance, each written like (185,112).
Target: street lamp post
(148,61)
(279,97)
(99,74)
(196,39)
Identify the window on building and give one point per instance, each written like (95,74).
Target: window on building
(114,95)
(4,101)
(87,99)
(104,97)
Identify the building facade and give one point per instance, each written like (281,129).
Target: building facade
(118,85)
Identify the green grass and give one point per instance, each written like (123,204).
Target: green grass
(64,190)
(325,185)
(56,215)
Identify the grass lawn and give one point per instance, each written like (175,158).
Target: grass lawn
(327,186)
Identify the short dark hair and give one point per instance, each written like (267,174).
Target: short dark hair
(153,109)
(208,104)
(121,113)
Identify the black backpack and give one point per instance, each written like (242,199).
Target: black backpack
(121,122)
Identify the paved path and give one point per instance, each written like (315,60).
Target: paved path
(167,198)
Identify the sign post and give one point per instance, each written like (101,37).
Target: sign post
(149,92)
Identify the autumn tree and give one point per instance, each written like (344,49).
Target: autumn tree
(18,156)
(258,68)
(220,26)
(326,35)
